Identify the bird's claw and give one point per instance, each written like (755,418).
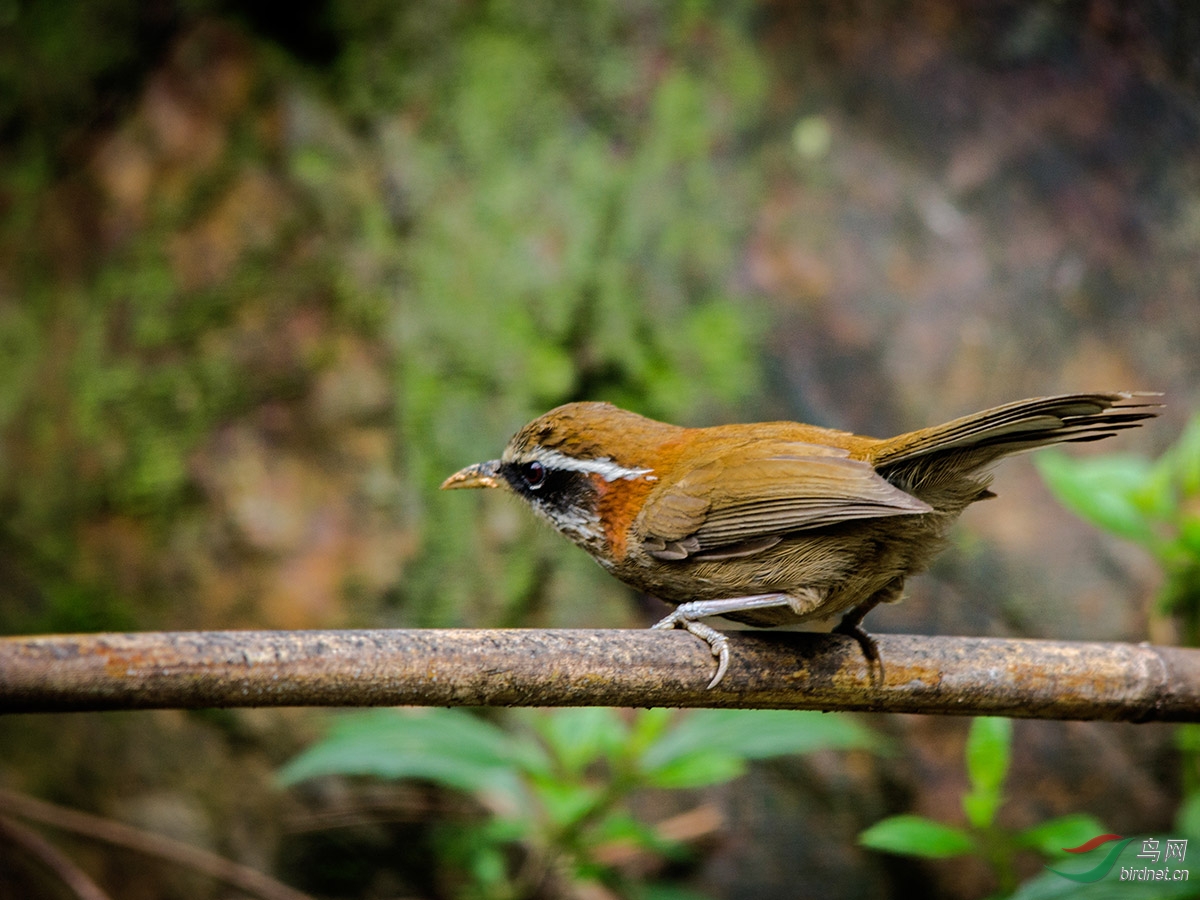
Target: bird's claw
(866,643)
(720,649)
(717,642)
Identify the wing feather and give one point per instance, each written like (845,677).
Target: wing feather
(740,501)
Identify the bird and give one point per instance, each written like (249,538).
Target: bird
(773,523)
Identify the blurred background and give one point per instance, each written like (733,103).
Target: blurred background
(267,277)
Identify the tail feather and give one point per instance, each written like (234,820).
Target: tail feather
(979,439)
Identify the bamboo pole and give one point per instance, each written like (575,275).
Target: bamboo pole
(516,667)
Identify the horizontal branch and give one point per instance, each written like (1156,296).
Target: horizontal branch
(445,667)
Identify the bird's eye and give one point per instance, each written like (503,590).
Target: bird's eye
(533,474)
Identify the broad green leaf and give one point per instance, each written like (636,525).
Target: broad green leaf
(760,734)
(910,835)
(696,768)
(580,737)
(1102,490)
(447,746)
(1053,837)
(566,802)
(649,725)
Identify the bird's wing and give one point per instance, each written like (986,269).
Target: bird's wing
(743,501)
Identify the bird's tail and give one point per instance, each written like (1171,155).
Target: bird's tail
(967,444)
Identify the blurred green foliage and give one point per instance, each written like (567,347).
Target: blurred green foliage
(58,62)
(207,208)
(1155,503)
(1051,885)
(987,753)
(559,248)
(560,787)
(514,205)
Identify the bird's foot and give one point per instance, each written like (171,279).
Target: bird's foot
(851,626)
(717,642)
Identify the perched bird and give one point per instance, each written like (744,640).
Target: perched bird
(775,522)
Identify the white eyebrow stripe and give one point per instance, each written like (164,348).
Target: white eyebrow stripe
(604,467)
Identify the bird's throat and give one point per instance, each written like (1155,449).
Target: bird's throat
(617,505)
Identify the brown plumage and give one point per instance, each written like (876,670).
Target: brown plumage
(773,522)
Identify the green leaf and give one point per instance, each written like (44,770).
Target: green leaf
(446,746)
(566,802)
(988,747)
(649,726)
(696,768)
(579,737)
(981,807)
(1052,837)
(1103,490)
(910,835)
(760,734)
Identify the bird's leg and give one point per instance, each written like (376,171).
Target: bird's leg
(685,616)
(717,642)
(851,626)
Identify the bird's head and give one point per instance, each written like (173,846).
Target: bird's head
(570,466)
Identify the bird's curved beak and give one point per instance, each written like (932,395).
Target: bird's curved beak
(480,475)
